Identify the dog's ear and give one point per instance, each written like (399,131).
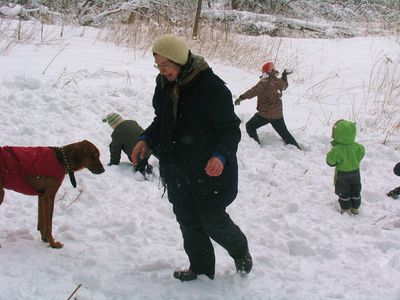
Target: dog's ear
(76,157)
(88,147)
(85,143)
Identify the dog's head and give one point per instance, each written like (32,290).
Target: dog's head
(84,155)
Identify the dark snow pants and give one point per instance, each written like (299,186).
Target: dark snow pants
(348,188)
(201,218)
(279,125)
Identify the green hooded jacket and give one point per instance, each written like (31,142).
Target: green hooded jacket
(346,154)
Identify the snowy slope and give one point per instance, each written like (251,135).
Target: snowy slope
(121,238)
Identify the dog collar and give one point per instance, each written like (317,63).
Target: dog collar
(68,168)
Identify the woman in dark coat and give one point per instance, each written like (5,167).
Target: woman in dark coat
(196,133)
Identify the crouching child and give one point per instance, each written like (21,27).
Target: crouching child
(123,138)
(346,155)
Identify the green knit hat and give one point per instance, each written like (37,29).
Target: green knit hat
(172,47)
(113,120)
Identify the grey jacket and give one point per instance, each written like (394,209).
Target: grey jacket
(124,138)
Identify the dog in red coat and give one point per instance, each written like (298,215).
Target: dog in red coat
(40,171)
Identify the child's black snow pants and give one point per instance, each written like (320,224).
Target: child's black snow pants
(348,188)
(279,125)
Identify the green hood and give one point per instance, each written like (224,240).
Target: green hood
(344,132)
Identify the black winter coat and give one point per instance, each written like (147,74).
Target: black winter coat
(205,125)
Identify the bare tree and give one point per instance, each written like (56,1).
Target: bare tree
(197,20)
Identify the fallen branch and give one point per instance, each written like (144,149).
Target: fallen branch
(77,288)
(381,218)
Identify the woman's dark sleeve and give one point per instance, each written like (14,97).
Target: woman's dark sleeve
(151,134)
(218,107)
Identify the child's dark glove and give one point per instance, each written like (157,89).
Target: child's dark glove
(286,72)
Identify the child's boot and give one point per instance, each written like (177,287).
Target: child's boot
(345,204)
(355,204)
(354,211)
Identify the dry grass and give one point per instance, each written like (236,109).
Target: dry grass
(384,93)
(14,33)
(217,42)
(214,42)
(10,36)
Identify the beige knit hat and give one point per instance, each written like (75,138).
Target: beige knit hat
(113,120)
(172,47)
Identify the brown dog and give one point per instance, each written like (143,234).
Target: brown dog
(40,171)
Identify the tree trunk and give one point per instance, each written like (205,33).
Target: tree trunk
(197,20)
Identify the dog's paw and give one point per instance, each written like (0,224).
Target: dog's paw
(56,245)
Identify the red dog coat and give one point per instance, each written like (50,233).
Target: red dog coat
(18,162)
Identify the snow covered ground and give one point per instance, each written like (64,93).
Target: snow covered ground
(121,238)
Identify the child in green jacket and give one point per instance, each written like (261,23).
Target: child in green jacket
(345,156)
